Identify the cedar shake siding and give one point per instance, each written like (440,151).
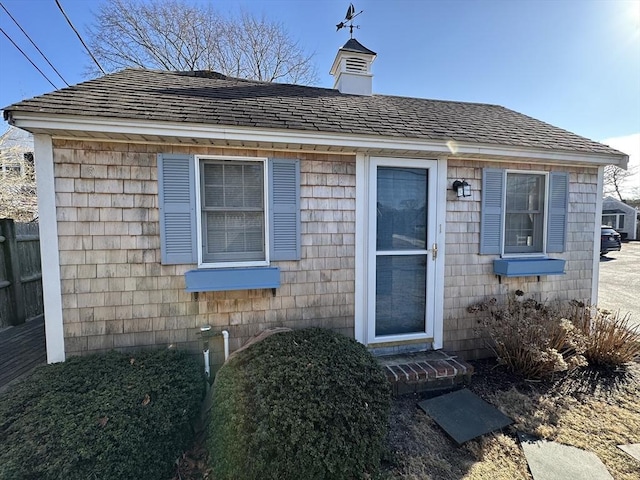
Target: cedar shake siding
(118,294)
(469,277)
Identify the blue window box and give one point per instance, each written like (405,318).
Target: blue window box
(528,267)
(221,279)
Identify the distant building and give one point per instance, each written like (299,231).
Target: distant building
(16,151)
(620,216)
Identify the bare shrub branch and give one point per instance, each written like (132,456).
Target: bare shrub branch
(611,340)
(529,337)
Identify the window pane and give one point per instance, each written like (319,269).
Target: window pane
(234,236)
(401,208)
(233,211)
(524,219)
(400,294)
(233,186)
(212,184)
(609,220)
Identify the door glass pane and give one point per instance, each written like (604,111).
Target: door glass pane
(400,294)
(401,208)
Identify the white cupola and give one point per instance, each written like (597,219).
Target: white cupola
(352,69)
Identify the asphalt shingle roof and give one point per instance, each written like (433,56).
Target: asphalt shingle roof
(210,98)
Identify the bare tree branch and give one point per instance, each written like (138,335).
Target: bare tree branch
(175,35)
(615,179)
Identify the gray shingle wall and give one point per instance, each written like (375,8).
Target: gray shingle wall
(469,276)
(116,294)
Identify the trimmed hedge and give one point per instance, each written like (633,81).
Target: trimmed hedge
(306,404)
(107,416)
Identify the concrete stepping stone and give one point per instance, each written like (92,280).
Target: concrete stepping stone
(632,449)
(464,415)
(554,461)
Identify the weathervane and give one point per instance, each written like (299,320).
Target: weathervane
(351,14)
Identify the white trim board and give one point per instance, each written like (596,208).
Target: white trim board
(360,143)
(49,253)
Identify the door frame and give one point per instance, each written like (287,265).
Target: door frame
(365,268)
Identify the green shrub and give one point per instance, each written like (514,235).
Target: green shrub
(110,416)
(306,404)
(529,337)
(611,340)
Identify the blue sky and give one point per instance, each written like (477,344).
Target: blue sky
(572,63)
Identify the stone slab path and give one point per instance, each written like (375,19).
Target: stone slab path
(554,461)
(632,449)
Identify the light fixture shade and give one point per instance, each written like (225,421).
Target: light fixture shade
(462,188)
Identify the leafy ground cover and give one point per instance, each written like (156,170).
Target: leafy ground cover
(111,416)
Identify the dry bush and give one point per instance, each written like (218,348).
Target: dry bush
(529,337)
(611,340)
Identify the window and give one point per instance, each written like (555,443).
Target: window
(228,212)
(523,212)
(232,211)
(614,220)
(11,169)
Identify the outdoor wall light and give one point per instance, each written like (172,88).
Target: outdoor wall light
(462,188)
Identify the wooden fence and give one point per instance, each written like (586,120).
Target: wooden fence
(20,273)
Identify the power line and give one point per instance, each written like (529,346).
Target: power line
(27,57)
(33,43)
(79,37)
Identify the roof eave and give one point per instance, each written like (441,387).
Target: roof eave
(97,128)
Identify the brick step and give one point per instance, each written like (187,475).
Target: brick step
(421,371)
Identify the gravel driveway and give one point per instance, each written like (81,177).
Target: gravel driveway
(620,281)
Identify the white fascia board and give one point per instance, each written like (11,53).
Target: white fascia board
(73,123)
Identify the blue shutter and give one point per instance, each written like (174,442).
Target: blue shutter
(557,220)
(492,213)
(177,202)
(284,209)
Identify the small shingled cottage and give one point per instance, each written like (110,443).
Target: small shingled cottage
(622,217)
(172,200)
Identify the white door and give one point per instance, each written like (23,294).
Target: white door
(402,250)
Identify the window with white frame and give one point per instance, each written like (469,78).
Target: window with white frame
(524,213)
(232,206)
(228,211)
(614,220)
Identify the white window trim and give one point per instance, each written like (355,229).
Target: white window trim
(544,222)
(265,163)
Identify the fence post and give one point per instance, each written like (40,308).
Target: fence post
(12,263)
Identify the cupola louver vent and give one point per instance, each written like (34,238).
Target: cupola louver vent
(356,65)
